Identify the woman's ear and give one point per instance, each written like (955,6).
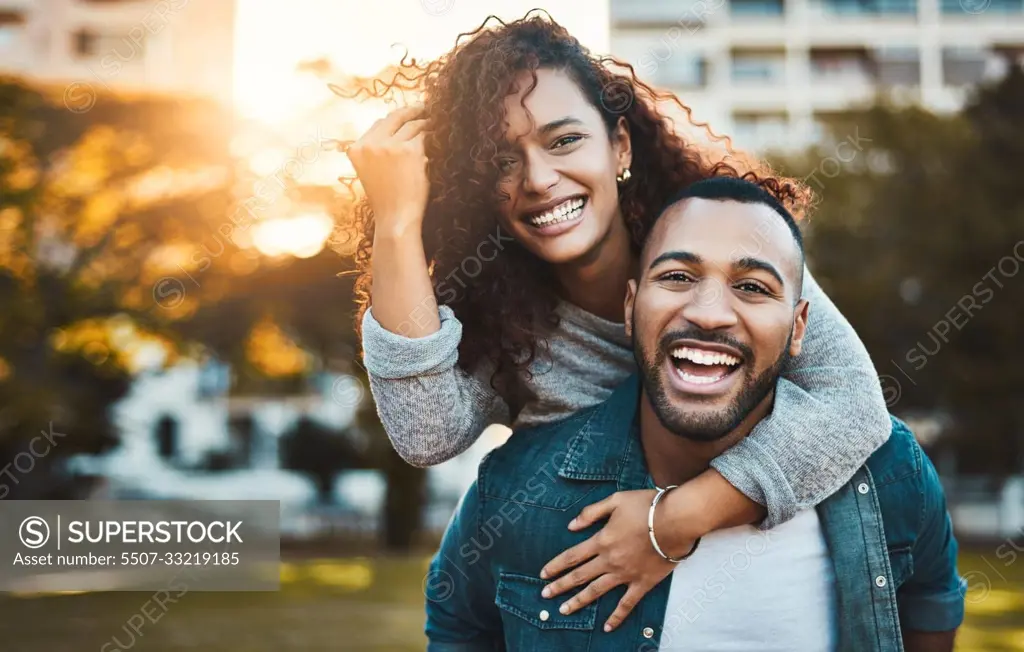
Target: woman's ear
(622,144)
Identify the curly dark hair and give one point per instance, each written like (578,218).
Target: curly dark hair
(508,308)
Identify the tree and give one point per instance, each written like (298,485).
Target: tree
(918,240)
(321,453)
(94,206)
(311,302)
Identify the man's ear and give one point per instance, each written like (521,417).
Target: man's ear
(796,344)
(622,144)
(630,297)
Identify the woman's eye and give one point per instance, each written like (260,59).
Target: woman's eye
(752,287)
(564,141)
(506,164)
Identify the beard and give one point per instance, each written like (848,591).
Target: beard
(707,427)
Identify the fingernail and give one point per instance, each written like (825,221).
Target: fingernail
(546,592)
(572,524)
(607,627)
(564,609)
(543,575)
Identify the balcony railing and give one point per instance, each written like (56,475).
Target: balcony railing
(757,69)
(756,8)
(681,71)
(976,7)
(658,12)
(870,7)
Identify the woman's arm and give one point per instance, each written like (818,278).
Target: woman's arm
(829,417)
(431,409)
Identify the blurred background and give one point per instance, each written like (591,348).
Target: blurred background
(176,319)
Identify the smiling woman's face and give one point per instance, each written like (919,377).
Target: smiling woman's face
(559,196)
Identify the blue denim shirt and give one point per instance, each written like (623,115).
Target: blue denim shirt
(887,530)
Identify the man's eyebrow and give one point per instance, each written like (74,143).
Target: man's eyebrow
(751,263)
(680,256)
(558,124)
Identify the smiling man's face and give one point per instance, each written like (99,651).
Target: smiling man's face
(715,313)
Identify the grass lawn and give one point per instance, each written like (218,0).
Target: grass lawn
(362,604)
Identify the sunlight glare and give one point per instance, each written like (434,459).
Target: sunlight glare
(361,38)
(303,236)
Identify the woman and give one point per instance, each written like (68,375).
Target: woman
(518,196)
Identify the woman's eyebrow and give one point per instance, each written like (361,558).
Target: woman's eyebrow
(557,124)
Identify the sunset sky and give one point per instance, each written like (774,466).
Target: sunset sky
(273,37)
(360,36)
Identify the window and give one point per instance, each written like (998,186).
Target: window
(660,13)
(982,6)
(8,36)
(872,7)
(759,8)
(758,66)
(761,131)
(11,17)
(11,25)
(898,66)
(682,70)
(962,67)
(88,43)
(840,66)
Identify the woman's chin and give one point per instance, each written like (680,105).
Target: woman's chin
(572,247)
(562,255)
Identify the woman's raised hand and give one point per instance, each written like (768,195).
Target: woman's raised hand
(392,168)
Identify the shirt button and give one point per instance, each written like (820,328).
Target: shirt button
(648,632)
(862,487)
(544,615)
(880,581)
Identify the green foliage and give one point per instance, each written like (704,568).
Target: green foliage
(92,205)
(914,240)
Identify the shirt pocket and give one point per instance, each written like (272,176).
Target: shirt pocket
(533,623)
(901,561)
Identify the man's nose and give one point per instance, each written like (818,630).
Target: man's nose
(709,306)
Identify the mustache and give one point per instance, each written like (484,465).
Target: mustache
(709,337)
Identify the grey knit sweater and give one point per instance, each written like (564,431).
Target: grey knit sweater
(829,414)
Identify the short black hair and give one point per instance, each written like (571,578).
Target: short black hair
(741,190)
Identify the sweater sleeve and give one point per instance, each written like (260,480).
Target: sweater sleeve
(829,417)
(431,409)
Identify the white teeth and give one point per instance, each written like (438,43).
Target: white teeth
(567,210)
(699,380)
(709,358)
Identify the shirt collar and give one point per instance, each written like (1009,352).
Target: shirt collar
(607,446)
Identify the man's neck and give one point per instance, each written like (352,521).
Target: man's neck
(674,459)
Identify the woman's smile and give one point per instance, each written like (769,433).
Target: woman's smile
(555,218)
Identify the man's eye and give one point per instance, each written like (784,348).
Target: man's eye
(678,277)
(752,287)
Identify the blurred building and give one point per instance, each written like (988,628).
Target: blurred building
(184,435)
(767,72)
(154,45)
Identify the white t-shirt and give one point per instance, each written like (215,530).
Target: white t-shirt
(745,590)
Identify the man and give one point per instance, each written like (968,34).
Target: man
(713,315)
